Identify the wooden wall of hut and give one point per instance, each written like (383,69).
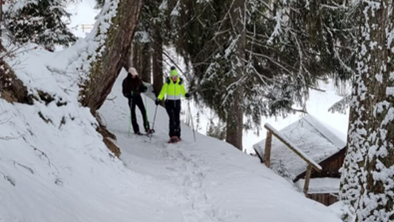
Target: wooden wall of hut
(324,198)
(330,166)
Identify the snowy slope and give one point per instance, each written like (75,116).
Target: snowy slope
(61,170)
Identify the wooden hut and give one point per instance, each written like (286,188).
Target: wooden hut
(320,143)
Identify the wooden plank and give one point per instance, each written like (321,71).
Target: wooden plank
(307,179)
(296,150)
(267,152)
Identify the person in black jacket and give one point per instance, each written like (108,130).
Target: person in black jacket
(132,89)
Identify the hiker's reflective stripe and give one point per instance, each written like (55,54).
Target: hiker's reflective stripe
(173,90)
(169,97)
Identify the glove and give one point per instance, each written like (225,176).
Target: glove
(127,95)
(157,102)
(187,95)
(143,88)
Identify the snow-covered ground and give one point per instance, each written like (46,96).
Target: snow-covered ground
(55,167)
(61,171)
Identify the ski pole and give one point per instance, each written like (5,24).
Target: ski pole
(146,112)
(153,124)
(129,119)
(130,126)
(191,118)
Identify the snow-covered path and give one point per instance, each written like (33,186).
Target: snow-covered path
(207,180)
(178,174)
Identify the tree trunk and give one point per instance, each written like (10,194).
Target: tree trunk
(128,60)
(1,18)
(106,69)
(235,113)
(12,89)
(157,63)
(142,60)
(146,62)
(371,134)
(235,125)
(350,176)
(136,55)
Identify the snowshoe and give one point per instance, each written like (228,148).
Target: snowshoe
(150,131)
(174,139)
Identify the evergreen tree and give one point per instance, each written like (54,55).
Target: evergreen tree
(41,22)
(100,3)
(149,42)
(260,58)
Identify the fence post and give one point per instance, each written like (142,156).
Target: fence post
(307,179)
(267,152)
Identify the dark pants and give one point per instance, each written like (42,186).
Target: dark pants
(173,108)
(137,101)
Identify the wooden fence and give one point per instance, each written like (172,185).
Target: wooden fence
(87,27)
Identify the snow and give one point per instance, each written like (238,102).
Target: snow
(62,171)
(320,185)
(342,210)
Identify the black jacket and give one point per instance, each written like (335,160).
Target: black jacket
(132,87)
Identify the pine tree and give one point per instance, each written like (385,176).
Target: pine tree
(100,3)
(260,58)
(40,22)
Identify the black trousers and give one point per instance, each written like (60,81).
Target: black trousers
(173,108)
(137,101)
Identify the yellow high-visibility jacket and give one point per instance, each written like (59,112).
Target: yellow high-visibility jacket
(173,90)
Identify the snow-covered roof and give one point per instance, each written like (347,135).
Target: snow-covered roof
(314,138)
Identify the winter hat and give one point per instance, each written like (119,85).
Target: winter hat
(133,71)
(173,72)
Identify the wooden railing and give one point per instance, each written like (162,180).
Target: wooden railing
(86,27)
(267,153)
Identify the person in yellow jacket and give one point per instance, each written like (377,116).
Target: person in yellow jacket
(174,89)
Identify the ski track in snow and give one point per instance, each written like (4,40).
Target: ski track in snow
(176,173)
(189,176)
(187,173)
